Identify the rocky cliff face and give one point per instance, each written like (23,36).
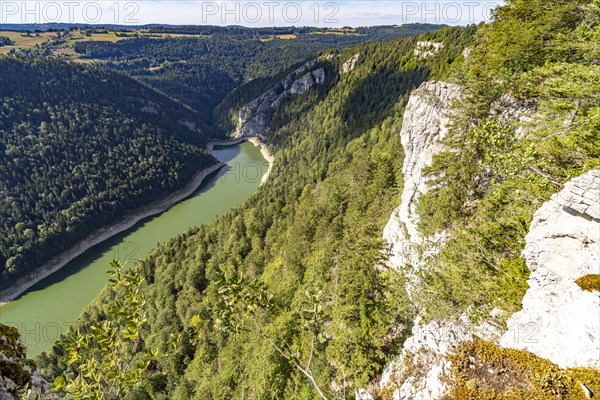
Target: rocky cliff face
(425,125)
(255,116)
(349,65)
(559,320)
(561,247)
(422,371)
(19,378)
(427,49)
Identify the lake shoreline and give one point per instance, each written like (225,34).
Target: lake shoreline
(256,141)
(58,262)
(102,234)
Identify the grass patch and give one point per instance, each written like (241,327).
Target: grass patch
(339,33)
(22,41)
(79,36)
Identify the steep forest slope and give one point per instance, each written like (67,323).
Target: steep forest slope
(292,295)
(315,227)
(477,215)
(79,149)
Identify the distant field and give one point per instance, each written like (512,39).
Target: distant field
(112,36)
(135,34)
(65,49)
(64,46)
(340,32)
(287,37)
(98,37)
(24,42)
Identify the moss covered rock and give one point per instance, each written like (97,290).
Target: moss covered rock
(483,370)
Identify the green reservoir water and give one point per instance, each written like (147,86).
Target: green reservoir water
(47,309)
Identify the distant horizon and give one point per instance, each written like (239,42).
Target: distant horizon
(248,14)
(59,25)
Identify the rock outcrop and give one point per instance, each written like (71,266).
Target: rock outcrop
(255,116)
(419,371)
(18,377)
(422,371)
(427,49)
(508,109)
(349,65)
(425,125)
(560,321)
(467,52)
(362,394)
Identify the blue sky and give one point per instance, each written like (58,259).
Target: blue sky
(248,13)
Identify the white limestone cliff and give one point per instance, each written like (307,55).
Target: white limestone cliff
(419,371)
(559,320)
(563,245)
(255,116)
(425,125)
(422,370)
(349,65)
(427,49)
(15,366)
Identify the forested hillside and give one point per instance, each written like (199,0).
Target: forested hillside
(287,296)
(201,70)
(79,149)
(312,234)
(486,193)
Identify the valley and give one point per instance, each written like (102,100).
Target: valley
(430,228)
(47,309)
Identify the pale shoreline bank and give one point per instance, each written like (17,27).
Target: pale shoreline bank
(264,150)
(97,237)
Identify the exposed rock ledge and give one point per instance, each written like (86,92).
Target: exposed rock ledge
(349,65)
(425,125)
(418,371)
(427,49)
(17,374)
(559,321)
(255,116)
(426,122)
(563,245)
(39,387)
(422,369)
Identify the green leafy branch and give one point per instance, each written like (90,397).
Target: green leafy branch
(105,356)
(242,303)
